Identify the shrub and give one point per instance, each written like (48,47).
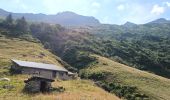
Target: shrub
(123,91)
(58,89)
(96,76)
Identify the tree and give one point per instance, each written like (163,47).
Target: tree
(8,22)
(9,19)
(22,25)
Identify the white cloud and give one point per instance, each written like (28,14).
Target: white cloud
(21,5)
(121,7)
(94,11)
(96,4)
(156,9)
(168,4)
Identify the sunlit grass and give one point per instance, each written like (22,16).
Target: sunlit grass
(152,85)
(74,90)
(13,48)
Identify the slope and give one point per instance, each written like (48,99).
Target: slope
(131,46)
(153,86)
(24,50)
(145,47)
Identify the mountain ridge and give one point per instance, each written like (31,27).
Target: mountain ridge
(66,18)
(160,20)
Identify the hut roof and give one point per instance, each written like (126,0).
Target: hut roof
(39,65)
(70,73)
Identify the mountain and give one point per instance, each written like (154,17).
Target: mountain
(129,24)
(145,46)
(160,20)
(64,18)
(3,13)
(70,18)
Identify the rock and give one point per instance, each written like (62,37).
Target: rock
(8,87)
(5,79)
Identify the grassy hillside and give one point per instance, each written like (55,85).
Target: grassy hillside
(74,90)
(14,48)
(156,87)
(133,47)
(145,47)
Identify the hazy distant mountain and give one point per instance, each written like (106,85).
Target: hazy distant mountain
(63,18)
(3,12)
(160,20)
(129,24)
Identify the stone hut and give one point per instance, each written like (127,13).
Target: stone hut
(42,74)
(38,84)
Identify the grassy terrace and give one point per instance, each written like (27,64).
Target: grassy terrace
(156,87)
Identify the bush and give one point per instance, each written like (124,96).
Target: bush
(127,92)
(96,76)
(58,89)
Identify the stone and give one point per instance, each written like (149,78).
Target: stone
(5,79)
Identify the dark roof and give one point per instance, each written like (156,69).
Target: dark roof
(39,78)
(39,65)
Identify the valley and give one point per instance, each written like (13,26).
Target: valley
(113,62)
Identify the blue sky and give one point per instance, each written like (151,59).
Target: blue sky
(107,11)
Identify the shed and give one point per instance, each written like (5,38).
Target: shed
(48,71)
(38,84)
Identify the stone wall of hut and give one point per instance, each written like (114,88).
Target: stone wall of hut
(34,86)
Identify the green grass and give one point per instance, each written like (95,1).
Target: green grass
(77,89)
(14,48)
(156,87)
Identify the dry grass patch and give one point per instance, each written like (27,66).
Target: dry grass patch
(83,90)
(14,48)
(74,90)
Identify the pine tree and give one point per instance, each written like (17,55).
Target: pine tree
(22,25)
(8,22)
(9,19)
